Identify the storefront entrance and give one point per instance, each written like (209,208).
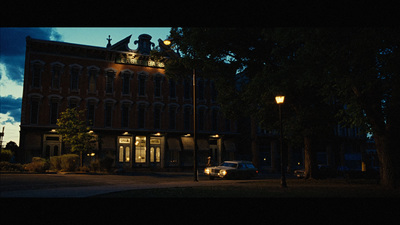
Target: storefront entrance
(51,145)
(124,149)
(155,151)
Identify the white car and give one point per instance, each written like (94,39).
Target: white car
(232,170)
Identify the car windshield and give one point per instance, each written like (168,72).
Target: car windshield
(229,164)
(249,165)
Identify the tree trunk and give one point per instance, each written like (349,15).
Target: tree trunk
(389,160)
(254,144)
(310,160)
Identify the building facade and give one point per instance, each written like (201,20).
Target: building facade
(141,118)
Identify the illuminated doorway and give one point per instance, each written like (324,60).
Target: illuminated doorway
(124,149)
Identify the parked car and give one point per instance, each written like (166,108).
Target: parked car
(232,170)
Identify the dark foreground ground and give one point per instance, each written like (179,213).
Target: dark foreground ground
(181,185)
(155,198)
(270,188)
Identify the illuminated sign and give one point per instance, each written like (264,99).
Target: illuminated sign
(155,141)
(134,60)
(124,140)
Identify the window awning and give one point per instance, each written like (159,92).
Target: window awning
(187,143)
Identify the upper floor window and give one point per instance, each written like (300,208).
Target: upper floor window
(90,112)
(73,102)
(54,102)
(172,89)
(37,75)
(56,76)
(187,86)
(92,80)
(157,86)
(142,85)
(110,81)
(34,110)
(125,83)
(74,78)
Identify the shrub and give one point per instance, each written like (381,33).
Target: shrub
(6,155)
(69,162)
(55,163)
(7,166)
(84,169)
(38,165)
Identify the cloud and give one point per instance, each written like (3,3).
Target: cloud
(8,86)
(13,44)
(11,132)
(11,106)
(12,62)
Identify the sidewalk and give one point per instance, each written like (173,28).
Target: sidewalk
(88,191)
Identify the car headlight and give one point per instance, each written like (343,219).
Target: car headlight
(223,172)
(206,171)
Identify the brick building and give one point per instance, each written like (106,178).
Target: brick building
(141,118)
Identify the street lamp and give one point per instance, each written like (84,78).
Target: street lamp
(279,100)
(168,42)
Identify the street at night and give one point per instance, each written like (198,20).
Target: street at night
(174,184)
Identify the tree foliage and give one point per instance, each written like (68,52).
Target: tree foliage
(348,76)
(74,131)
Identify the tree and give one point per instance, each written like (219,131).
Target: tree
(329,75)
(251,66)
(74,131)
(364,64)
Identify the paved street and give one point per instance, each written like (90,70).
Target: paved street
(86,185)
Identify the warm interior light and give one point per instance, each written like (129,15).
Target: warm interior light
(279,99)
(167,42)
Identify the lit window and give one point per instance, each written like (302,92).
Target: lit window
(140,152)
(121,153)
(127,154)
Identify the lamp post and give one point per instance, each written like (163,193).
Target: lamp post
(194,128)
(168,42)
(279,100)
